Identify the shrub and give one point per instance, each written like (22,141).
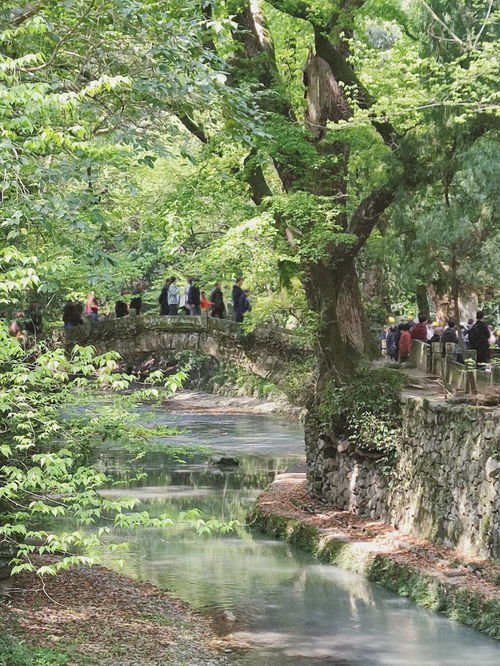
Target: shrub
(366,411)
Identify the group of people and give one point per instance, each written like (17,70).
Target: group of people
(173,300)
(190,300)
(122,309)
(477,335)
(73,311)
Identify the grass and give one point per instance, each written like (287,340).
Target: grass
(16,652)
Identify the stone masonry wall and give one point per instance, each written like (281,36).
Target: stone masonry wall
(444,485)
(265,352)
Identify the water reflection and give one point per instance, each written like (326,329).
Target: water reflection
(291,609)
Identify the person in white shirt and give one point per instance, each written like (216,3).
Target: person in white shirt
(173,297)
(184,302)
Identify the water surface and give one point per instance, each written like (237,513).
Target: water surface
(287,607)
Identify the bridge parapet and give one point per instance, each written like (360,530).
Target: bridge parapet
(265,351)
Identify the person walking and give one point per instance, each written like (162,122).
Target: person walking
(72,314)
(121,308)
(405,343)
(436,337)
(184,297)
(419,332)
(205,303)
(163,298)
(194,299)
(246,306)
(479,336)
(34,321)
(92,306)
(390,342)
(136,301)
(449,335)
(173,297)
(217,298)
(237,293)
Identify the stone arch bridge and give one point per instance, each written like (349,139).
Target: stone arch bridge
(265,352)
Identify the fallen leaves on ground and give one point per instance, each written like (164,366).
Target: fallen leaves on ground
(100,617)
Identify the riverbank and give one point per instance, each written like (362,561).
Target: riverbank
(208,403)
(434,577)
(93,616)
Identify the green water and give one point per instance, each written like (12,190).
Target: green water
(286,606)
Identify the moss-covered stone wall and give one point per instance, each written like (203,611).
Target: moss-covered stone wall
(443,485)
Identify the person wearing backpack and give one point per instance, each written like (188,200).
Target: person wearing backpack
(217,298)
(194,299)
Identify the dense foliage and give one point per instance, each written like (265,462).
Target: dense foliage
(366,413)
(137,138)
(300,143)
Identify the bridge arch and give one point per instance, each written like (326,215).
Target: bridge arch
(265,352)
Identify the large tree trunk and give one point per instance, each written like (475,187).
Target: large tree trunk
(343,336)
(422,300)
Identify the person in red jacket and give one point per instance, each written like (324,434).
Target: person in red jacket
(419,332)
(405,343)
(205,303)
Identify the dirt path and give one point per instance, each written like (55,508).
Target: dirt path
(288,496)
(90,616)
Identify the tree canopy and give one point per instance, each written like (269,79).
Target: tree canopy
(263,138)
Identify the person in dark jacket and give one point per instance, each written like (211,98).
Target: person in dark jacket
(438,332)
(246,306)
(194,299)
(449,335)
(397,339)
(136,300)
(217,298)
(390,343)
(236,297)
(419,332)
(72,314)
(479,336)
(34,322)
(121,308)
(163,298)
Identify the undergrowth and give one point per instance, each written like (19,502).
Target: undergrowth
(16,652)
(366,411)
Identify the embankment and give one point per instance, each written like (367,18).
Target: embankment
(433,576)
(443,484)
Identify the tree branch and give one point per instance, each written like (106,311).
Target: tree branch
(25,14)
(63,40)
(366,217)
(343,72)
(454,37)
(190,125)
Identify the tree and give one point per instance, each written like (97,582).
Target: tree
(324,119)
(322,208)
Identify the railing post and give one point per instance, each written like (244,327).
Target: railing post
(428,358)
(449,355)
(436,357)
(470,372)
